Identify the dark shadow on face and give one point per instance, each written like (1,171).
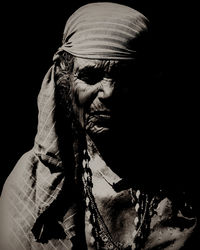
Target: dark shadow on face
(138,145)
(129,122)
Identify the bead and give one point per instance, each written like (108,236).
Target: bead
(84,163)
(90,227)
(87,201)
(137,207)
(85,176)
(88,214)
(138,193)
(86,155)
(93,218)
(136,220)
(110,246)
(92,240)
(104,238)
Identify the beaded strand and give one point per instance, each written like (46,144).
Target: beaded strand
(100,236)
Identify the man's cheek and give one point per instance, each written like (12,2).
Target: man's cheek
(82,97)
(85,93)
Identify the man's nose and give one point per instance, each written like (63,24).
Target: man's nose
(106,89)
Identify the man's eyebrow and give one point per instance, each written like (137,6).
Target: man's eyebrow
(87,69)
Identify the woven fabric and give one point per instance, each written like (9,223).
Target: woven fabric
(36,182)
(103,31)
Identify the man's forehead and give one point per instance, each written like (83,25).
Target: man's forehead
(107,65)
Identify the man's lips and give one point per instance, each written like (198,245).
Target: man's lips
(99,118)
(104,113)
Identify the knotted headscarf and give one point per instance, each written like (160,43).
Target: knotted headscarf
(104,31)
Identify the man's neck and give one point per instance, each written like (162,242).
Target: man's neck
(100,146)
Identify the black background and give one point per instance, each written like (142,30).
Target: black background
(32,32)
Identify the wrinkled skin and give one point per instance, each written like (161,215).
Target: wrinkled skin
(101,97)
(96,85)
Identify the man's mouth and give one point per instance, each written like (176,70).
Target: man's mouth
(100,116)
(103,113)
(98,120)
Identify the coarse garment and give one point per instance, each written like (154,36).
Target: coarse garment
(36,185)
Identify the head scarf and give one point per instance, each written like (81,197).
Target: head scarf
(103,31)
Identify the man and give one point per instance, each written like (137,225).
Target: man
(80,186)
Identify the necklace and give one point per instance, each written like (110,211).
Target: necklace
(100,235)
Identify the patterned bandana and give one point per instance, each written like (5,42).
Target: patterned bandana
(103,31)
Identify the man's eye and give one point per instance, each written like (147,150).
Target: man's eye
(90,79)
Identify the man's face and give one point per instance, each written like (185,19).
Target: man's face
(99,88)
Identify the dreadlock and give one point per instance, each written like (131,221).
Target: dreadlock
(69,125)
(71,137)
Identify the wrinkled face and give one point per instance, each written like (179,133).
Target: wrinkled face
(98,86)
